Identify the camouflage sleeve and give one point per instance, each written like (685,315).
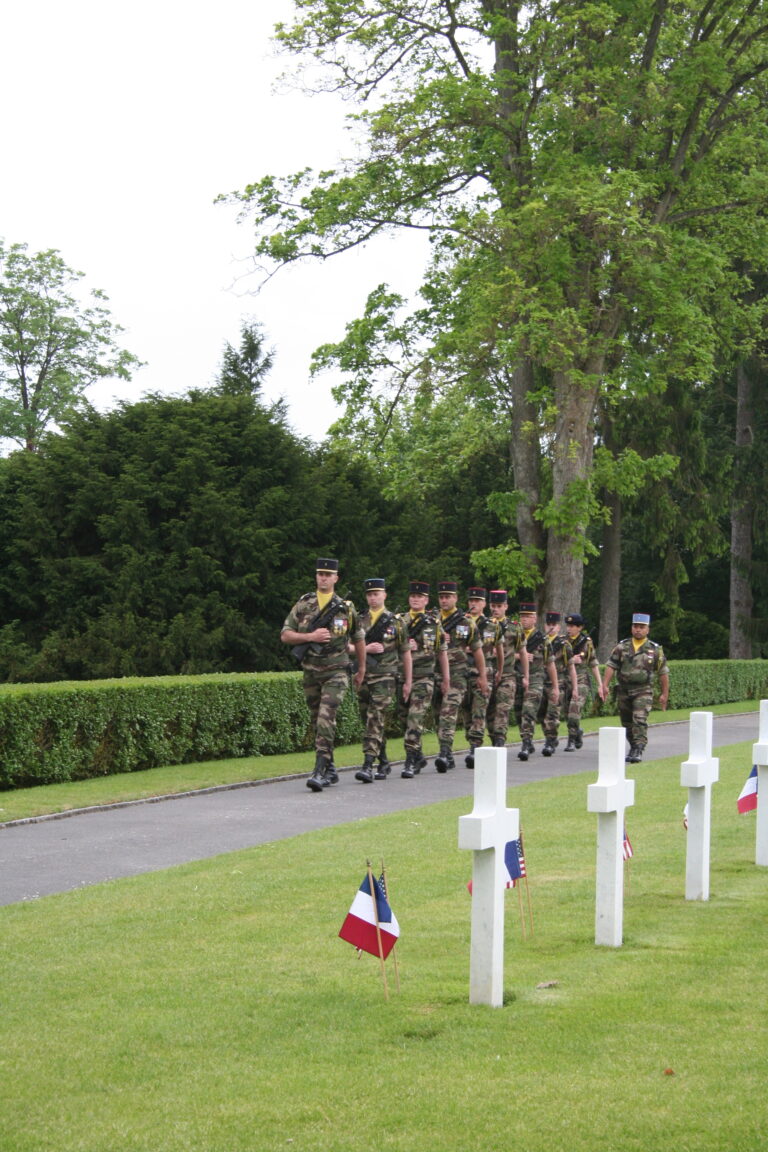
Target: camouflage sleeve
(291,621)
(475,639)
(661,662)
(356,630)
(592,659)
(614,660)
(441,640)
(402,635)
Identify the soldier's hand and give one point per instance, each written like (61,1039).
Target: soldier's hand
(321,636)
(359,677)
(525,683)
(375,648)
(482,683)
(663,703)
(406,693)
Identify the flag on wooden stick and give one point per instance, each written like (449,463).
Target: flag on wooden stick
(371,925)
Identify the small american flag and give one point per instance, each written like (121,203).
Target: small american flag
(626,847)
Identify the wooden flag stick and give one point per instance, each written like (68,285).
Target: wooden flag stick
(520,906)
(394,946)
(527,886)
(372,886)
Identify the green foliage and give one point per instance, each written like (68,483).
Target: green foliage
(76,731)
(52,347)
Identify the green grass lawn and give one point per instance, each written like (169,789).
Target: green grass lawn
(212,1007)
(23,803)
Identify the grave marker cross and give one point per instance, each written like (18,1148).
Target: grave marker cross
(609,797)
(698,773)
(486,832)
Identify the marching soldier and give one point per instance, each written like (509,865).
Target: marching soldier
(428,654)
(550,707)
(634,662)
(463,644)
(320,626)
(476,701)
(503,689)
(584,661)
(541,670)
(385,645)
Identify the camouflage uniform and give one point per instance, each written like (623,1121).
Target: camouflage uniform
(325,666)
(475,703)
(634,685)
(527,704)
(424,628)
(462,639)
(502,697)
(574,704)
(377,690)
(549,709)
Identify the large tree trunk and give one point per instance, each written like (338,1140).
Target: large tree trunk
(740,645)
(525,452)
(571,477)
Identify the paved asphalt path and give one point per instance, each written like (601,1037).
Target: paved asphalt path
(59,854)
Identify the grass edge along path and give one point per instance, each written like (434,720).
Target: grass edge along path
(177,779)
(212,1007)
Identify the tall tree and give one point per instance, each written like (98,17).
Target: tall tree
(243,369)
(52,347)
(565,159)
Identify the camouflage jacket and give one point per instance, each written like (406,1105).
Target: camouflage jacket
(635,669)
(462,638)
(540,656)
(345,628)
(582,645)
(379,665)
(430,639)
(490,633)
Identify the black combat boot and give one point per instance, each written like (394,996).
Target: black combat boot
(498,742)
(331,775)
(549,747)
(578,738)
(409,768)
(318,780)
(444,761)
(571,745)
(385,767)
(635,755)
(365,774)
(526,750)
(469,759)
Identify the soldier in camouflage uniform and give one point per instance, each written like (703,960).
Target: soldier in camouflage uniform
(584,661)
(464,644)
(503,690)
(428,650)
(634,661)
(541,671)
(475,701)
(549,709)
(386,644)
(323,624)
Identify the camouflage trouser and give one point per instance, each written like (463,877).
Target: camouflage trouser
(574,703)
(324,692)
(499,707)
(411,715)
(549,713)
(633,712)
(528,705)
(449,708)
(374,697)
(475,708)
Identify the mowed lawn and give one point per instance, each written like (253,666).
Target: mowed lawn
(213,1007)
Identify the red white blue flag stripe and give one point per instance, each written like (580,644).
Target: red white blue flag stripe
(359,927)
(747,800)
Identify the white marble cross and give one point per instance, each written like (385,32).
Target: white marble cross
(609,797)
(486,832)
(698,773)
(760,757)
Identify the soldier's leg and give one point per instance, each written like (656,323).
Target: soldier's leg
(446,728)
(641,707)
(498,720)
(332,692)
(421,695)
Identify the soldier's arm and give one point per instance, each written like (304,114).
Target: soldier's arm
(445,670)
(407,672)
(524,665)
(664,696)
(360,653)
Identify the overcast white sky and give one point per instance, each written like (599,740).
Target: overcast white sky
(121,124)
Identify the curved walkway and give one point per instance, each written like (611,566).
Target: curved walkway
(72,850)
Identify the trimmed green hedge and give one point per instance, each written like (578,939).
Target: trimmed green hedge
(72,731)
